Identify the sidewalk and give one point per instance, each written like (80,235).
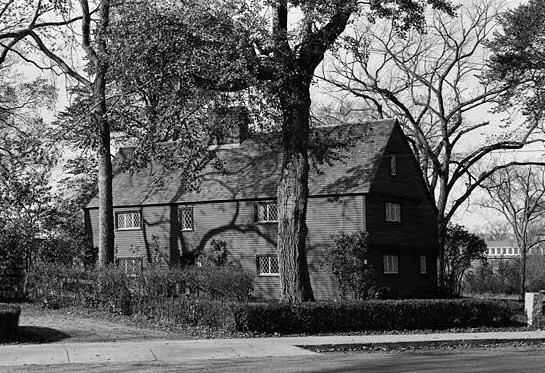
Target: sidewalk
(172,352)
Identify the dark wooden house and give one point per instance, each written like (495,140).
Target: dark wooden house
(371,181)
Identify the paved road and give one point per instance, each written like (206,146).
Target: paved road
(474,360)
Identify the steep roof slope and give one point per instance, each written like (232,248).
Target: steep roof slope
(252,170)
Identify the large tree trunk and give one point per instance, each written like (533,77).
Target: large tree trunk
(293,192)
(105,214)
(105,211)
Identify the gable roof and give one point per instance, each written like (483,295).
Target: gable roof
(252,170)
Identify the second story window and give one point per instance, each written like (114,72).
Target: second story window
(266,212)
(128,220)
(185,216)
(393,212)
(393,165)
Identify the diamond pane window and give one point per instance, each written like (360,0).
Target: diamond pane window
(128,220)
(266,212)
(267,265)
(131,266)
(185,214)
(393,212)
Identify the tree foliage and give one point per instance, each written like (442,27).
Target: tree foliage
(518,59)
(461,249)
(346,260)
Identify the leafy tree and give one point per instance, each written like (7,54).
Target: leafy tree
(156,50)
(518,59)
(286,59)
(430,82)
(461,249)
(92,81)
(518,194)
(18,18)
(346,259)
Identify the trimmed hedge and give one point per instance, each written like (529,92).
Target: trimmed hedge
(320,317)
(9,318)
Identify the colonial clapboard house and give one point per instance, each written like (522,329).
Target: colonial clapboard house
(373,183)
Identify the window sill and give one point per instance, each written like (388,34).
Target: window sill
(127,229)
(268,275)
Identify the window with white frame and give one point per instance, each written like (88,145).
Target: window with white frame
(266,212)
(185,216)
(391,264)
(393,212)
(128,220)
(393,165)
(423,265)
(267,265)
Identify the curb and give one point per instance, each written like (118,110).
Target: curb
(372,346)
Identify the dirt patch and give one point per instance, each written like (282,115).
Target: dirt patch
(37,325)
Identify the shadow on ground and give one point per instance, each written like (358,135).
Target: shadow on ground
(34,334)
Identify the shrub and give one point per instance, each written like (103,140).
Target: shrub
(156,293)
(214,254)
(9,318)
(346,260)
(369,315)
(498,277)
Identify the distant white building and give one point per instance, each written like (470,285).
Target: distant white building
(502,250)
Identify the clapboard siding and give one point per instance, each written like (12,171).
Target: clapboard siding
(327,216)
(415,235)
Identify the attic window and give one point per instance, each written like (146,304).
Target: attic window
(266,212)
(185,215)
(128,220)
(393,165)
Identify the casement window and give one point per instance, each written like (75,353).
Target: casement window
(393,212)
(185,216)
(423,265)
(128,220)
(267,265)
(131,266)
(393,165)
(391,264)
(266,212)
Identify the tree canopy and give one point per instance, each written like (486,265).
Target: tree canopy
(519,59)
